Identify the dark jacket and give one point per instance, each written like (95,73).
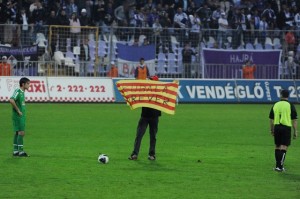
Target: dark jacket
(150,112)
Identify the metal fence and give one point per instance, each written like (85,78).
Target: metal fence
(169,43)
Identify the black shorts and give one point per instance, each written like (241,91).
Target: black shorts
(282,135)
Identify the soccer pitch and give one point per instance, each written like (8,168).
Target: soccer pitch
(207,151)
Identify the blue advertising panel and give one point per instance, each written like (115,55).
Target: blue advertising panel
(231,91)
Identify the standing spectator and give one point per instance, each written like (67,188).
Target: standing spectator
(89,8)
(283,116)
(270,16)
(223,28)
(38,19)
(285,18)
(187,53)
(23,21)
(289,68)
(56,7)
(248,70)
(290,39)
(151,16)
(166,24)
(238,26)
(84,21)
(149,117)
(113,71)
(263,27)
(33,6)
(141,71)
(5,68)
(3,19)
(99,13)
(50,21)
(74,30)
(84,56)
(214,24)
(156,37)
(63,32)
(84,18)
(256,22)
(205,16)
(11,14)
(181,24)
(225,6)
(17,101)
(191,8)
(71,8)
(195,29)
(150,5)
(297,23)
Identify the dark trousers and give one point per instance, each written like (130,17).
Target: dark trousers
(141,129)
(187,73)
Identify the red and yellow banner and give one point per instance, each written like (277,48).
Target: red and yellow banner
(146,93)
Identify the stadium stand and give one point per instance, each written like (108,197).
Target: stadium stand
(136,28)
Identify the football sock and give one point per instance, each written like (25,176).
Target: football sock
(20,143)
(16,143)
(278,157)
(283,154)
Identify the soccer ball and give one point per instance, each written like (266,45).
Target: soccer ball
(103,158)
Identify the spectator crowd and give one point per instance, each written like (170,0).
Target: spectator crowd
(188,20)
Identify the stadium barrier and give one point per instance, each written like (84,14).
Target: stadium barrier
(168,45)
(61,89)
(95,90)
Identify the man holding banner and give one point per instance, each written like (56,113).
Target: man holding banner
(149,116)
(154,97)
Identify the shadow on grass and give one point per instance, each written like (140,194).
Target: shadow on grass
(147,165)
(291,176)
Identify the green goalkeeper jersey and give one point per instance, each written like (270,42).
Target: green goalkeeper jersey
(19,97)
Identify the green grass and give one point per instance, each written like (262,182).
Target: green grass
(203,151)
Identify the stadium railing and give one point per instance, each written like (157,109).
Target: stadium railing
(168,43)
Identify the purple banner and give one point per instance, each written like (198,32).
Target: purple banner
(258,57)
(21,59)
(224,64)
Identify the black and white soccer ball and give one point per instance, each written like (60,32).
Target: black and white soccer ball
(103,158)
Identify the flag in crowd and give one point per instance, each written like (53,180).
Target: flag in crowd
(129,57)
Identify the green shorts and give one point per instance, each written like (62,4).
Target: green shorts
(19,123)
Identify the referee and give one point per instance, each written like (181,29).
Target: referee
(283,116)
